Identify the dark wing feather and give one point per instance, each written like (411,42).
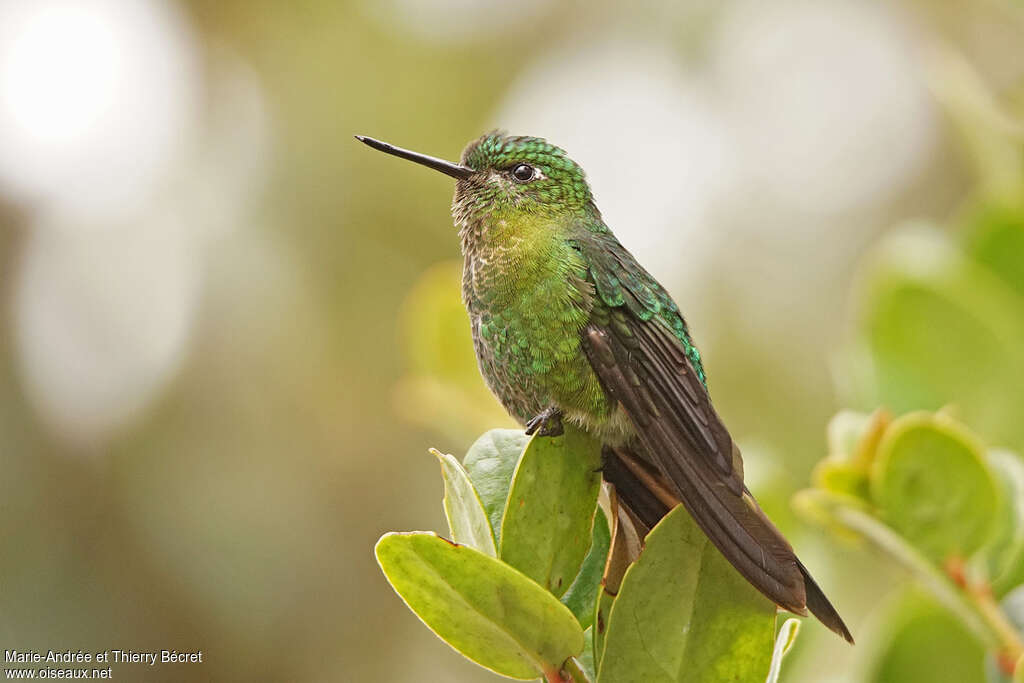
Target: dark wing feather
(634,347)
(625,287)
(634,373)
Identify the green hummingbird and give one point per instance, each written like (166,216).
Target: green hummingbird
(568,326)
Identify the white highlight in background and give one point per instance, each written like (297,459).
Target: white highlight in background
(826,101)
(95,98)
(126,188)
(101,320)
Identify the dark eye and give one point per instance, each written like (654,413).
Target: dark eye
(523,173)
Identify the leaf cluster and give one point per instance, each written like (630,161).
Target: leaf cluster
(940,342)
(521,586)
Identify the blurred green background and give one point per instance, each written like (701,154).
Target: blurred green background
(230,332)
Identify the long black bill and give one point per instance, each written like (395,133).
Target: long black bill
(446,167)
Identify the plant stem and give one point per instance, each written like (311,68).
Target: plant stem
(973,602)
(936,581)
(995,617)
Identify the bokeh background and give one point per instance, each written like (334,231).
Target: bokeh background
(229,332)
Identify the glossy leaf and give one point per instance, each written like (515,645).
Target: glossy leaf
(491,462)
(684,614)
(584,589)
(932,485)
(586,659)
(546,528)
(480,606)
(467,519)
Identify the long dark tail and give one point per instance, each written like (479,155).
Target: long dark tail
(820,606)
(648,497)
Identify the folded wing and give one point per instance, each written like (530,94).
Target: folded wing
(683,452)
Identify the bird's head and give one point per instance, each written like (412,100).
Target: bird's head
(500,175)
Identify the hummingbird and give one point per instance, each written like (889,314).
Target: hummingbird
(567,325)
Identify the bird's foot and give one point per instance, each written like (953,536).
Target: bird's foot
(547,423)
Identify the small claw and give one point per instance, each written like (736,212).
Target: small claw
(547,423)
(532,425)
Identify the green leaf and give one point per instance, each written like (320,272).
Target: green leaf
(491,462)
(939,329)
(835,475)
(467,518)
(546,529)
(920,641)
(1005,555)
(602,614)
(684,614)
(583,592)
(849,515)
(586,659)
(997,242)
(932,485)
(625,549)
(783,642)
(852,444)
(480,606)
(819,506)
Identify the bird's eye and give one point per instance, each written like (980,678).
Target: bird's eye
(524,173)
